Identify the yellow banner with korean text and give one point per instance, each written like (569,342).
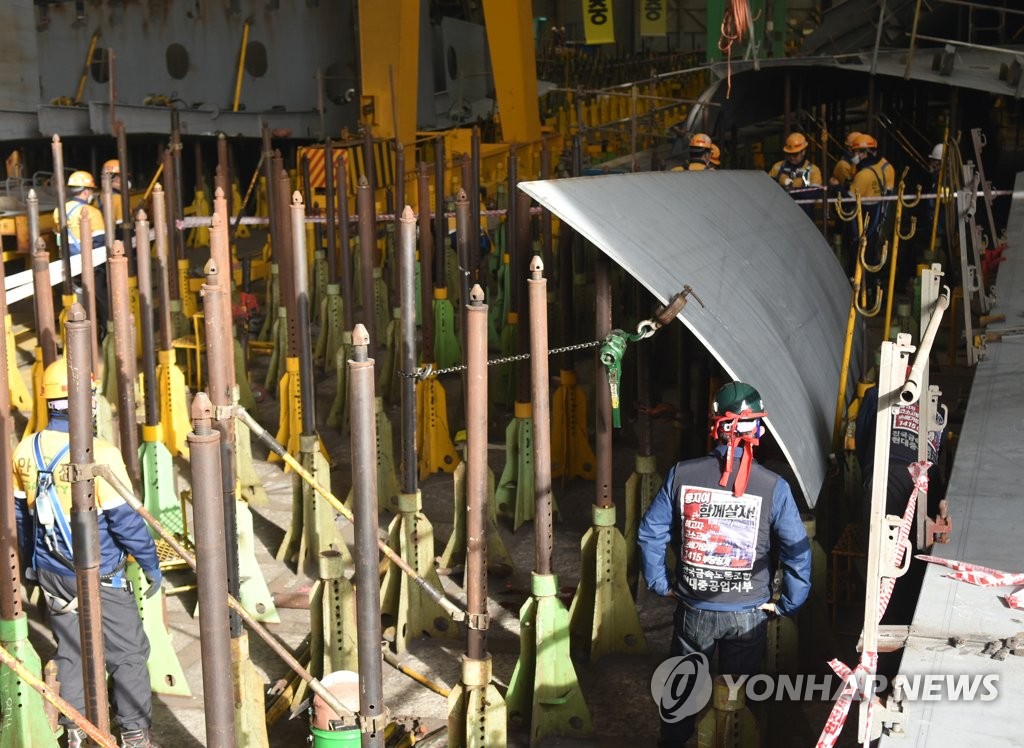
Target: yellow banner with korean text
(653,17)
(597,21)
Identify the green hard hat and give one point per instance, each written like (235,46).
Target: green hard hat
(736,397)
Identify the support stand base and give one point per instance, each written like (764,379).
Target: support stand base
(22,712)
(477,717)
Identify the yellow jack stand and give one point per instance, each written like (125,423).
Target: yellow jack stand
(66,301)
(337,417)
(477,716)
(433,440)
(729,723)
(571,454)
(274,303)
(276,369)
(170,384)
(38,417)
(515,496)
(332,328)
(387,481)
(133,301)
(242,232)
(262,201)
(247,684)
(290,409)
(413,612)
(499,561)
(20,397)
(200,235)
(603,619)
(641,488)
(189,306)
(165,673)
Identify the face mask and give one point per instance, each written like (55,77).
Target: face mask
(855,159)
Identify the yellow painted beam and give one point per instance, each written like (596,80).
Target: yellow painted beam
(510,38)
(389,40)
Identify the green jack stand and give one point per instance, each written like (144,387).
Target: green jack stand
(641,488)
(502,386)
(477,717)
(434,446)
(389,380)
(603,619)
(180,324)
(318,289)
(159,493)
(253,593)
(499,561)
(782,646)
(729,723)
(571,453)
(165,674)
(244,391)
(515,496)
(170,384)
(21,707)
(544,692)
(274,303)
(278,356)
(381,307)
(332,328)
(337,417)
(250,711)
(108,384)
(412,537)
(250,487)
(333,642)
(387,481)
(447,351)
(313,530)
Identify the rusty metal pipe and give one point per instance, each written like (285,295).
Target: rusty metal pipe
(400,202)
(331,213)
(367,250)
(369,161)
(363,425)
(644,437)
(126,207)
(476,475)
(546,223)
(211,574)
(602,391)
(307,394)
(178,204)
(271,168)
(62,212)
(512,229)
(85,534)
(46,324)
(474,197)
(537,291)
(10,575)
(440,221)
(109,220)
(345,245)
(220,354)
(163,268)
(426,261)
(222,177)
(407,297)
(124,352)
(463,227)
(283,251)
(89,283)
(169,198)
(150,399)
(32,209)
(519,273)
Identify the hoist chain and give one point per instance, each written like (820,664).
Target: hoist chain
(427,371)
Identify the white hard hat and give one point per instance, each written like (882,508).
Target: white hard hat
(936,154)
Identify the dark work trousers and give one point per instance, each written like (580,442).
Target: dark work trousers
(740,636)
(125,647)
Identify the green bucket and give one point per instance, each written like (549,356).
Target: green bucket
(349,736)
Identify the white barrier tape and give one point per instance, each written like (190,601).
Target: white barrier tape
(982,576)
(919,472)
(841,710)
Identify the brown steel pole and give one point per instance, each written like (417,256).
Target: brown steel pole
(178,204)
(407,296)
(474,201)
(163,268)
(62,212)
(32,209)
(512,230)
(426,262)
(168,200)
(367,247)
(283,251)
(272,165)
(126,208)
(331,213)
(518,271)
(109,220)
(150,398)
(10,576)
(399,207)
(476,475)
(46,325)
(363,429)
(440,221)
(463,227)
(644,437)
(537,289)
(224,170)
(546,224)
(89,283)
(85,537)
(211,574)
(124,352)
(369,163)
(345,245)
(602,392)
(300,277)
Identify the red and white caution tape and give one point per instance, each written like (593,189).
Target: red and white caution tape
(982,576)
(869,660)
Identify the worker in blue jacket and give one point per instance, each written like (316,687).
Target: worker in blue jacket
(43,513)
(724,517)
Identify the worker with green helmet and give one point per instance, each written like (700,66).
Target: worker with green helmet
(725,518)
(43,513)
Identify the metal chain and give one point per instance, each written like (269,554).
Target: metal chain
(429,371)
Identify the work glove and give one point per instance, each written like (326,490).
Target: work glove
(770,608)
(155,579)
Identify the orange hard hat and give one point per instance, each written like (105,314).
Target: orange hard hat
(111,166)
(716,154)
(700,140)
(81,179)
(850,138)
(795,143)
(863,141)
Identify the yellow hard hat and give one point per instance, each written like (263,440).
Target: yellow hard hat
(55,380)
(81,179)
(111,166)
(716,154)
(851,137)
(700,140)
(795,143)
